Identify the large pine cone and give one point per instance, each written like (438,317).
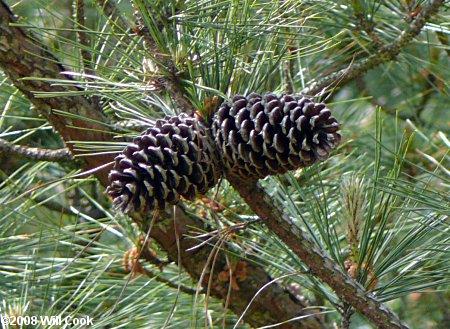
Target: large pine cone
(171,159)
(268,135)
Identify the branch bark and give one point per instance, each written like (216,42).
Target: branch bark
(34,153)
(320,264)
(21,57)
(274,304)
(386,54)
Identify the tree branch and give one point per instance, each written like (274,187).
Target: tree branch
(366,25)
(169,283)
(110,10)
(34,153)
(320,265)
(274,304)
(21,57)
(83,39)
(384,55)
(170,81)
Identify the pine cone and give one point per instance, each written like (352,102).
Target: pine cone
(268,135)
(171,159)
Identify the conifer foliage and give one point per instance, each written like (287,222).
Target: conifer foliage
(157,102)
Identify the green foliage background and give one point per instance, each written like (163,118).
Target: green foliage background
(62,246)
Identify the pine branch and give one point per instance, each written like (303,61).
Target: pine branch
(21,56)
(169,283)
(34,153)
(110,10)
(365,25)
(274,304)
(386,54)
(170,80)
(83,39)
(320,265)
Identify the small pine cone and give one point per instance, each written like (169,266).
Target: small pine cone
(268,135)
(173,158)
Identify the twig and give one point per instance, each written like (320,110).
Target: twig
(170,81)
(346,315)
(86,58)
(169,283)
(153,259)
(22,56)
(385,54)
(34,153)
(320,264)
(109,8)
(366,25)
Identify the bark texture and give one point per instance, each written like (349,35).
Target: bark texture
(21,58)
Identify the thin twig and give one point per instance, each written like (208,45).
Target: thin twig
(153,259)
(366,25)
(346,315)
(83,39)
(321,266)
(109,8)
(34,153)
(169,283)
(387,53)
(86,57)
(170,80)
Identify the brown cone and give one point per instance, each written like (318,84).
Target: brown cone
(266,135)
(173,159)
